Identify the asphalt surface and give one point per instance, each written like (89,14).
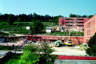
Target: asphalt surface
(58,51)
(68,51)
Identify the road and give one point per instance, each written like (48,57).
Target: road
(68,51)
(3,52)
(58,51)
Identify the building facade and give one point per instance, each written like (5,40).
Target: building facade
(74,24)
(89,28)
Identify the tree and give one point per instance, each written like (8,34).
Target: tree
(74,15)
(92,46)
(11,19)
(84,16)
(29,56)
(4,25)
(36,27)
(90,16)
(46,58)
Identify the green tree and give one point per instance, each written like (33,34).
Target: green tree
(92,46)
(12,61)
(11,19)
(90,16)
(84,16)
(74,15)
(30,55)
(46,58)
(4,25)
(36,27)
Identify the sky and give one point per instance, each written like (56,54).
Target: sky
(48,7)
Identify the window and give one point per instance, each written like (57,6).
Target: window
(73,22)
(70,22)
(78,22)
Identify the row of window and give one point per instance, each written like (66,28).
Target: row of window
(73,21)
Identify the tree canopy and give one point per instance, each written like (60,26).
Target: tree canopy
(92,46)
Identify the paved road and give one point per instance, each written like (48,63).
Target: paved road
(58,51)
(3,52)
(68,51)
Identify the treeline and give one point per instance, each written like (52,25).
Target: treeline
(80,16)
(11,18)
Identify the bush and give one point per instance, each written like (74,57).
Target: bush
(12,61)
(73,33)
(83,46)
(46,58)
(30,55)
(4,34)
(10,58)
(5,48)
(92,46)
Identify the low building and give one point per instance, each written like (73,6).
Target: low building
(89,28)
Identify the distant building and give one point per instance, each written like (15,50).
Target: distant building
(89,28)
(74,24)
(48,29)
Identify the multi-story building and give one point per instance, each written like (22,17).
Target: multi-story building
(89,28)
(74,24)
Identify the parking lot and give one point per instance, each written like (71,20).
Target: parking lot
(64,50)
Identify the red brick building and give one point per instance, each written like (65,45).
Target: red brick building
(89,28)
(75,24)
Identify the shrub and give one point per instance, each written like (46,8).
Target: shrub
(46,58)
(92,46)
(30,55)
(5,48)
(12,61)
(10,58)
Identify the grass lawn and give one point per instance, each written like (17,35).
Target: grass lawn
(65,34)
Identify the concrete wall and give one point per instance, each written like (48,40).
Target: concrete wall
(75,39)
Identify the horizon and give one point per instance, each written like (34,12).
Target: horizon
(48,7)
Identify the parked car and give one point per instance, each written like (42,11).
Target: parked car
(60,43)
(69,43)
